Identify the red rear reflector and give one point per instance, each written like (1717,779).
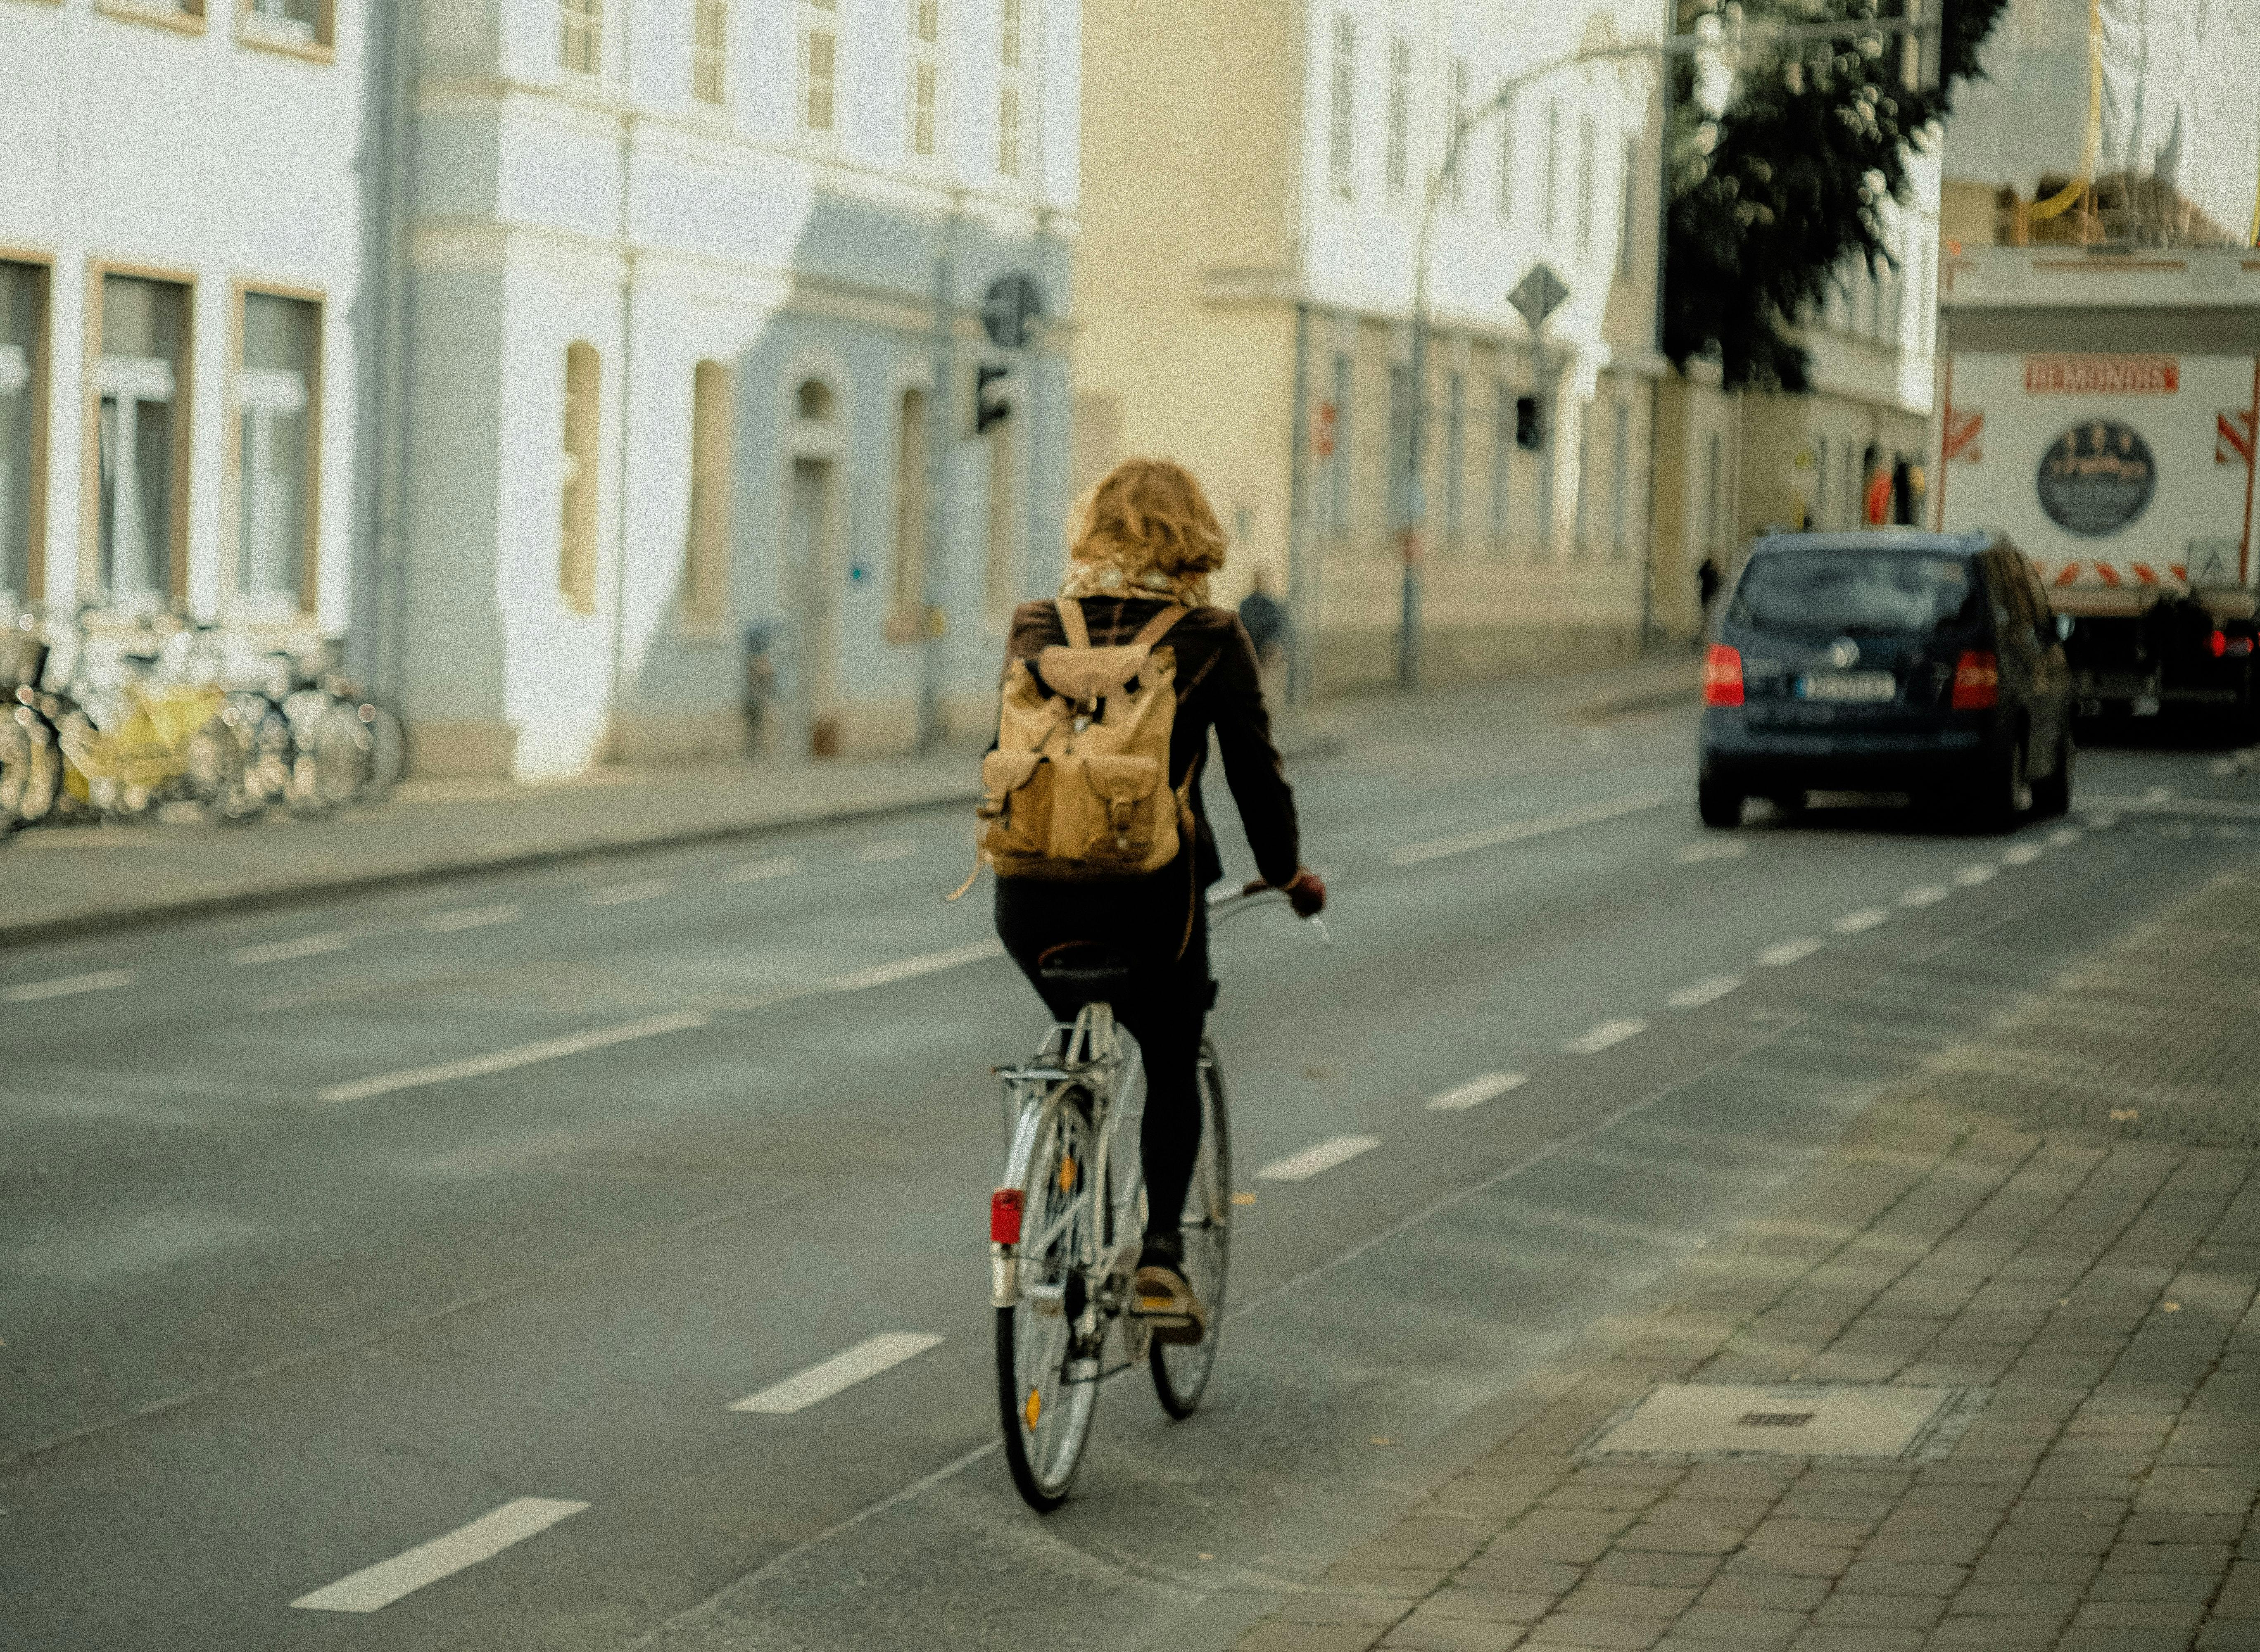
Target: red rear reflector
(1977,681)
(1004,1216)
(2219,643)
(1722,676)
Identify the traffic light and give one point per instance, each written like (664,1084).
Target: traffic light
(1528,435)
(989,410)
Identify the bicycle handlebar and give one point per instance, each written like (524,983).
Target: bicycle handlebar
(1232,903)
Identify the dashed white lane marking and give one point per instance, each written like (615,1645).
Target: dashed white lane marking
(2229,832)
(1518,831)
(828,1377)
(1971,876)
(1782,953)
(1604,1036)
(1324,1156)
(548,1049)
(892,849)
(472,917)
(2202,808)
(1720,849)
(378,1586)
(2177,830)
(1924,895)
(2221,768)
(67,986)
(761,871)
(2101,822)
(880,975)
(621,894)
(1867,918)
(1703,992)
(1475,1092)
(2157,794)
(2065,837)
(2021,854)
(282,951)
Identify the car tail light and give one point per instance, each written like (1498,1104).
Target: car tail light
(1977,681)
(1722,676)
(1004,1216)
(2226,647)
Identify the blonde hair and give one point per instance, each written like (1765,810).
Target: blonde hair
(1148,513)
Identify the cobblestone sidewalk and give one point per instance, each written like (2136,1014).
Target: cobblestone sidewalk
(2101,1286)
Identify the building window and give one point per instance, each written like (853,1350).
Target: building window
(1338,465)
(926,73)
(1400,114)
(1620,484)
(1455,115)
(819,64)
(1008,91)
(1456,459)
(141,433)
(23,427)
(1502,474)
(581,26)
(706,545)
(1401,445)
(1550,196)
(294,23)
(1627,207)
(1507,165)
(276,396)
(576,526)
(1586,162)
(168,12)
(1341,129)
(909,592)
(709,52)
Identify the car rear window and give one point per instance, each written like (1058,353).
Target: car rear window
(1896,593)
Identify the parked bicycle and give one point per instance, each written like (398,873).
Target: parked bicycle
(1066,1226)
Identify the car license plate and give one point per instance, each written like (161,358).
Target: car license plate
(1854,686)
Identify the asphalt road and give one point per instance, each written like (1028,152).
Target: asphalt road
(447,1226)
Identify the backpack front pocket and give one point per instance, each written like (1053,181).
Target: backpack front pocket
(1119,813)
(1016,805)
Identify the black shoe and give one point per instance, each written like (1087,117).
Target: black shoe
(1161,1296)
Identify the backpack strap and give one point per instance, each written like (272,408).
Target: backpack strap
(1071,613)
(1158,628)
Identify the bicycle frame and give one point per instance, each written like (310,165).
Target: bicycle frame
(1086,1054)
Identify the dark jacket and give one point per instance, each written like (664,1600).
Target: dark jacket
(1219,687)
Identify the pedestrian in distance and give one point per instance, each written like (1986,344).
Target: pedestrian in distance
(1707,581)
(1145,664)
(1265,618)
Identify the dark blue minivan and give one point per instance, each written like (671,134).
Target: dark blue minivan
(1923,663)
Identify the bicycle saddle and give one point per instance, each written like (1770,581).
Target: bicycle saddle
(1087,972)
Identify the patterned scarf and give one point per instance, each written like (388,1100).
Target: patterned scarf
(1121,575)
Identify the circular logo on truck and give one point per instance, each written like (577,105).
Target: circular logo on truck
(2097,477)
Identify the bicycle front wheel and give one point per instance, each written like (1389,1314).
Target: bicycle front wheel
(1046,1382)
(1181,1369)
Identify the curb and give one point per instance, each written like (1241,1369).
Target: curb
(306,890)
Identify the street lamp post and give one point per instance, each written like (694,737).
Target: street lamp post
(1918,28)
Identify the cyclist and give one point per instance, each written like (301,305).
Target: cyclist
(1143,539)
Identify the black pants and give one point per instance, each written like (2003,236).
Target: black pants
(1143,919)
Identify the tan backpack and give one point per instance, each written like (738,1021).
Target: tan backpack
(1078,786)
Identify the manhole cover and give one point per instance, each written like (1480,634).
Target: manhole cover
(1696,1419)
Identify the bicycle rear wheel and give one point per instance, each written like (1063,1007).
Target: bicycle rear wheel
(1046,1388)
(1181,1369)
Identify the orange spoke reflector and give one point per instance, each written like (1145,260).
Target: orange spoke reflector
(1033,1409)
(1066,1175)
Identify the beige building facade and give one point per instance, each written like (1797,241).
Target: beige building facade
(1253,197)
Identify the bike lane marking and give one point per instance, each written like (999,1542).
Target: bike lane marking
(621,894)
(283,951)
(761,871)
(1924,895)
(67,986)
(826,1378)
(1323,1155)
(880,975)
(1783,954)
(375,1587)
(1971,876)
(1518,831)
(1604,1036)
(2021,854)
(1703,992)
(547,1050)
(1866,918)
(887,850)
(1474,1092)
(472,917)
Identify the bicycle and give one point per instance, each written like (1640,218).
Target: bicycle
(1067,1226)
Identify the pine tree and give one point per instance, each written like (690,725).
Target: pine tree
(1775,196)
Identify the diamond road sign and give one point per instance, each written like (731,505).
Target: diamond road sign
(1539,295)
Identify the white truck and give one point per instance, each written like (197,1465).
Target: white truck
(2098,409)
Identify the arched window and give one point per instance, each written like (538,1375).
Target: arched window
(908,594)
(815,400)
(576,535)
(706,546)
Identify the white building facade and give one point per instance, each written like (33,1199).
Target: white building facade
(181,259)
(683,433)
